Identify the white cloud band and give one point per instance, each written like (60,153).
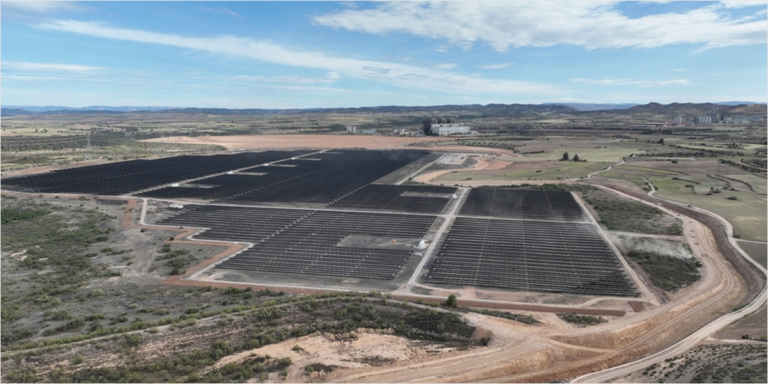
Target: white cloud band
(541,24)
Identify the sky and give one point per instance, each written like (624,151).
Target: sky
(353,54)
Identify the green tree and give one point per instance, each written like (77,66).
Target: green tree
(565,156)
(576,157)
(451,302)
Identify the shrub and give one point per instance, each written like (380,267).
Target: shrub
(451,301)
(133,340)
(285,361)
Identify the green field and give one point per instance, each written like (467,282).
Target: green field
(758,252)
(746,213)
(565,170)
(756,182)
(598,150)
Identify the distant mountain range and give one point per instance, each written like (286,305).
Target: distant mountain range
(594,107)
(490,109)
(101,108)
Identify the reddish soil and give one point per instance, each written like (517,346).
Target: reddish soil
(637,306)
(519,306)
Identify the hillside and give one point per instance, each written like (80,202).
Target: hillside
(693,109)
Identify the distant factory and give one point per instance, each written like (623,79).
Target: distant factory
(444,127)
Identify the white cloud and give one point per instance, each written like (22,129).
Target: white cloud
(222,10)
(496,66)
(627,81)
(445,66)
(330,78)
(679,69)
(47,67)
(743,3)
(541,24)
(401,75)
(40,6)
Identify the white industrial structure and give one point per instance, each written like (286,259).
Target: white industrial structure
(449,129)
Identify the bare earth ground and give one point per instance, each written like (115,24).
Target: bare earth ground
(334,352)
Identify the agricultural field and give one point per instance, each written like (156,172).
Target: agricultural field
(531,170)
(692,184)
(756,183)
(757,251)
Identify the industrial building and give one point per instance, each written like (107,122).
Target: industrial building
(449,129)
(444,127)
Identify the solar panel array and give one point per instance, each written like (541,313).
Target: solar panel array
(391,197)
(306,242)
(523,255)
(322,178)
(523,204)
(128,176)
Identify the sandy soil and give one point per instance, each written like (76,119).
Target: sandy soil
(302,141)
(482,164)
(369,348)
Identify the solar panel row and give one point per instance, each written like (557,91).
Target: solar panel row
(391,197)
(134,175)
(322,179)
(307,242)
(523,204)
(529,256)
